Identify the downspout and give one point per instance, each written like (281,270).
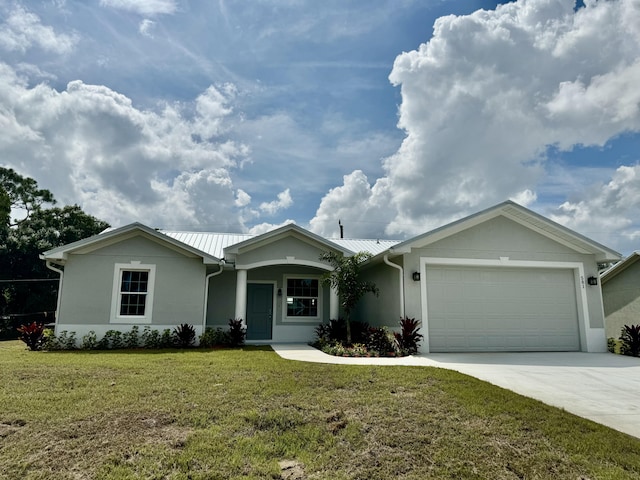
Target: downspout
(61,272)
(401,275)
(206,294)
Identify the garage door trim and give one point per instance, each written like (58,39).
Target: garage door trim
(579,281)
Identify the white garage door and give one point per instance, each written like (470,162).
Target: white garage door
(501,309)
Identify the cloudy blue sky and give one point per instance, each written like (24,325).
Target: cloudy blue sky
(394,116)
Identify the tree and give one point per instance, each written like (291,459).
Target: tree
(22,241)
(345,279)
(24,195)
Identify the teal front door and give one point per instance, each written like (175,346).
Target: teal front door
(259,311)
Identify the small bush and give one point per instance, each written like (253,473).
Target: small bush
(90,341)
(184,335)
(150,338)
(214,338)
(630,338)
(130,338)
(32,334)
(380,341)
(49,340)
(237,332)
(66,340)
(408,339)
(166,339)
(611,344)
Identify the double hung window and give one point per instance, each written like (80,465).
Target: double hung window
(132,293)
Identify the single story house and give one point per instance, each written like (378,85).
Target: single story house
(503,279)
(621,295)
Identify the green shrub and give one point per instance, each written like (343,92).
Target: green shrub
(166,339)
(150,338)
(32,334)
(184,335)
(67,340)
(130,338)
(49,340)
(611,344)
(237,332)
(630,338)
(90,341)
(380,340)
(214,338)
(112,340)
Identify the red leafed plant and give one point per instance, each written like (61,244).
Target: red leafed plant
(32,335)
(408,339)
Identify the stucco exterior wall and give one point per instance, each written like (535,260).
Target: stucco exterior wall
(222,293)
(496,238)
(383,310)
(87,291)
(622,300)
(280,250)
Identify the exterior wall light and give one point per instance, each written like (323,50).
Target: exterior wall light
(592,280)
(279,292)
(416,276)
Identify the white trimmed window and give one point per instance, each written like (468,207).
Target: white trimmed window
(132,293)
(302,299)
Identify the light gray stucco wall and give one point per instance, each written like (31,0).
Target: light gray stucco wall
(622,300)
(501,237)
(86,296)
(280,250)
(222,293)
(383,310)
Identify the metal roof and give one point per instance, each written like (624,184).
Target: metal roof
(211,243)
(215,243)
(374,247)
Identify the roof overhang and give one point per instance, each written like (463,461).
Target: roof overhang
(521,215)
(60,255)
(287,231)
(619,267)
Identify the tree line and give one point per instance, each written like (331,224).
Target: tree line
(31,223)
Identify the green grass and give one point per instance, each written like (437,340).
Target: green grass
(238,413)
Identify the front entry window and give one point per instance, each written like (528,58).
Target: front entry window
(302,298)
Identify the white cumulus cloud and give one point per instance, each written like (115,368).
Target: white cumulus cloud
(482,102)
(23,30)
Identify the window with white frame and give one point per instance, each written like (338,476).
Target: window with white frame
(302,298)
(132,293)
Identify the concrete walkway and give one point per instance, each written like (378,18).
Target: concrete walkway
(602,387)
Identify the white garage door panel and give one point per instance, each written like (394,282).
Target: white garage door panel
(508,309)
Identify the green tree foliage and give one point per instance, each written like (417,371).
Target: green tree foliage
(24,195)
(345,279)
(23,240)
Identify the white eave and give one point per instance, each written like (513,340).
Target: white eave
(60,254)
(523,216)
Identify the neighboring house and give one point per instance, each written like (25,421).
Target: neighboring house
(504,279)
(621,295)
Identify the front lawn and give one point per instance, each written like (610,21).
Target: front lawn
(224,414)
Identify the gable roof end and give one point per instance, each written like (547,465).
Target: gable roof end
(60,254)
(281,232)
(521,215)
(619,267)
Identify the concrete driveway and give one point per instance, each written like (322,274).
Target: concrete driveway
(602,387)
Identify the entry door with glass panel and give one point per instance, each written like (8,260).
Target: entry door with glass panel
(259,311)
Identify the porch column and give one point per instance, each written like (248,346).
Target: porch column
(334,304)
(241,295)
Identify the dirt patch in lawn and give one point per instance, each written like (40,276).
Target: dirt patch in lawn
(77,449)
